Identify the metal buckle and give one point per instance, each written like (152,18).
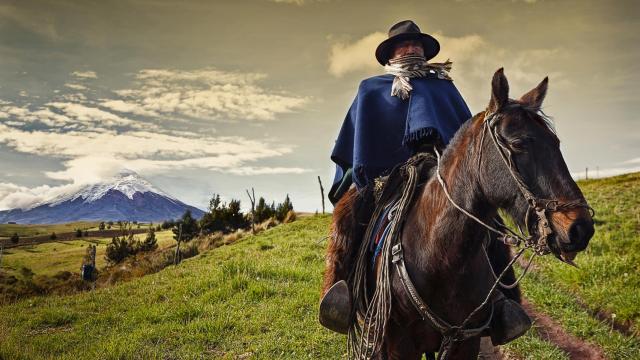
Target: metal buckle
(396,252)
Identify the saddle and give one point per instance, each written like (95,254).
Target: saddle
(387,190)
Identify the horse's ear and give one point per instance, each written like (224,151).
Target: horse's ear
(535,97)
(499,91)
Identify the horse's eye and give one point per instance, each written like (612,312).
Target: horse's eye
(518,145)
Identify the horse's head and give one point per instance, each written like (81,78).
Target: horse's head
(525,172)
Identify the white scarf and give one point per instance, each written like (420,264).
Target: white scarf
(406,67)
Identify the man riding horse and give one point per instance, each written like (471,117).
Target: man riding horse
(411,109)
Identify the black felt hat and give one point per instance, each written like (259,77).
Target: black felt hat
(406,30)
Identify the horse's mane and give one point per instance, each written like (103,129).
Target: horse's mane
(535,113)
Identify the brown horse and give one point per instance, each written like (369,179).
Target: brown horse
(442,244)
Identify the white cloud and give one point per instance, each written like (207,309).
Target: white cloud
(250,170)
(347,57)
(127,107)
(68,115)
(85,114)
(90,156)
(474,62)
(14,196)
(85,74)
(205,94)
(75,86)
(632,161)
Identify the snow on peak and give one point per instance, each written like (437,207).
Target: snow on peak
(125,181)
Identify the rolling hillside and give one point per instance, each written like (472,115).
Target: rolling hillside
(258,299)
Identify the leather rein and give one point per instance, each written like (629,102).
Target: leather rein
(537,243)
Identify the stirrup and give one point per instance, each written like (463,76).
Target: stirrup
(509,322)
(335,308)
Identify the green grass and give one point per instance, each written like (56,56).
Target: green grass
(608,277)
(53,257)
(256,297)
(609,273)
(561,306)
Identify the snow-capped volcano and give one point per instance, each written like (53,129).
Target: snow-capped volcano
(125,181)
(126,196)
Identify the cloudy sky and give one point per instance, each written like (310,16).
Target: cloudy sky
(219,96)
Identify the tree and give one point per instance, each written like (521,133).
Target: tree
(263,211)
(234,218)
(15,238)
(102,226)
(214,219)
(78,233)
(118,249)
(149,242)
(53,236)
(283,209)
(186,229)
(214,203)
(86,233)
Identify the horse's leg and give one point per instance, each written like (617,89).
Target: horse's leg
(399,344)
(467,349)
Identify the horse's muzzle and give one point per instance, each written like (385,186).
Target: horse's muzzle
(565,244)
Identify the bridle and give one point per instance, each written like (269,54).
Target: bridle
(537,242)
(541,207)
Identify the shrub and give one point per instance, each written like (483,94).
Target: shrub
(120,248)
(78,233)
(15,238)
(53,236)
(149,242)
(283,209)
(186,227)
(263,211)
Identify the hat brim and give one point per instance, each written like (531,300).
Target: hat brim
(429,43)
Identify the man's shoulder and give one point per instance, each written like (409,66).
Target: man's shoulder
(375,83)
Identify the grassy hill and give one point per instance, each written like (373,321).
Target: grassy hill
(258,299)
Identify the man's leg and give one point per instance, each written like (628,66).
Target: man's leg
(350,219)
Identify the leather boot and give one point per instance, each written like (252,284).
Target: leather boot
(509,321)
(335,308)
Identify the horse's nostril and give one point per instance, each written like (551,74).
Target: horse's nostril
(581,232)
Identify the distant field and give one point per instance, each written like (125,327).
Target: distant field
(7,230)
(50,258)
(258,299)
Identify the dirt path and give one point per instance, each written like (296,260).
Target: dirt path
(551,331)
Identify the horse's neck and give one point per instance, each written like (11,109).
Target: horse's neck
(447,237)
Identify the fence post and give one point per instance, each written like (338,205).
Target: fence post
(253,209)
(321,193)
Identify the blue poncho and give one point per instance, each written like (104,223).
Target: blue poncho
(378,128)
